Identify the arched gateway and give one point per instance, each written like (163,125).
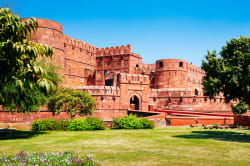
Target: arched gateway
(134,103)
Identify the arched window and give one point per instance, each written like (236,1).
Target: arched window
(160,64)
(180,64)
(196,92)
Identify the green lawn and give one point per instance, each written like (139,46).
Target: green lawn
(168,146)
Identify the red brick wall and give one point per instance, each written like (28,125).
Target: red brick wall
(84,65)
(80,62)
(7,117)
(243,120)
(179,121)
(170,74)
(194,78)
(76,58)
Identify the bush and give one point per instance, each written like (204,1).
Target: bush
(95,124)
(47,158)
(50,124)
(132,122)
(90,123)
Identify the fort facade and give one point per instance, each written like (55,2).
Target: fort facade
(119,81)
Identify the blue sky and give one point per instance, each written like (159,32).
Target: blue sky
(156,29)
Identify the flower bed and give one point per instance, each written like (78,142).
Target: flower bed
(46,158)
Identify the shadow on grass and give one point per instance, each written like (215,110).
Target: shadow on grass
(6,134)
(218,135)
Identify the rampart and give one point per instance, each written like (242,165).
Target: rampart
(119,81)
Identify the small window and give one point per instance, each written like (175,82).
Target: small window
(180,64)
(109,82)
(196,92)
(105,72)
(118,76)
(160,64)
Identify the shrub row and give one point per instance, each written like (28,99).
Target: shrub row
(50,124)
(132,122)
(89,123)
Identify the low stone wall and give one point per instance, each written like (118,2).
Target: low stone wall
(8,117)
(179,121)
(243,120)
(22,126)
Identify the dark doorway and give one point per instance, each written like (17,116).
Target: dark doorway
(109,82)
(196,93)
(134,101)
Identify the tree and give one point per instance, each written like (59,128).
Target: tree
(230,73)
(24,83)
(72,101)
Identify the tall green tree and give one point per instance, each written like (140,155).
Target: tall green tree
(24,83)
(71,101)
(230,73)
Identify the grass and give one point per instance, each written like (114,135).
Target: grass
(168,146)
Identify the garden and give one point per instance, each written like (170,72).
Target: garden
(167,146)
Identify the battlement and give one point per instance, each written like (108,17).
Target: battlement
(195,69)
(99,90)
(168,92)
(134,78)
(69,41)
(147,68)
(113,50)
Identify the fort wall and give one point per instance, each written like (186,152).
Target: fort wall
(51,33)
(116,59)
(76,58)
(119,81)
(194,79)
(80,62)
(171,73)
(183,99)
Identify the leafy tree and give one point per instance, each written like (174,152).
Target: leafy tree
(230,73)
(24,83)
(72,101)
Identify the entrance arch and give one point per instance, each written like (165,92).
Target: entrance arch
(134,102)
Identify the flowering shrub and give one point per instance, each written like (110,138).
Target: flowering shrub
(46,158)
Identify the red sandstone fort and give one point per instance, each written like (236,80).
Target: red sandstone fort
(120,82)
